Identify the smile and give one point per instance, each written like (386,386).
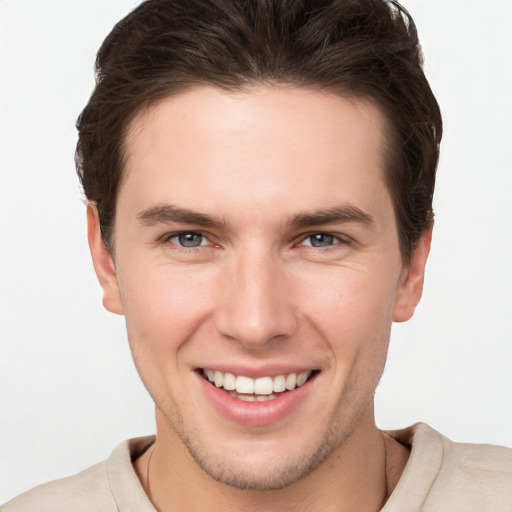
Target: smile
(261,389)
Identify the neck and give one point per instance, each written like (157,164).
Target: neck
(356,476)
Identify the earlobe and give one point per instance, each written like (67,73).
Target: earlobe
(103,263)
(411,287)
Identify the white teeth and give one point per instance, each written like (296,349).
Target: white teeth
(279,384)
(244,385)
(302,378)
(252,398)
(291,381)
(263,387)
(229,382)
(265,398)
(219,378)
(247,398)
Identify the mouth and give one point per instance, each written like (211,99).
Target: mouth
(261,389)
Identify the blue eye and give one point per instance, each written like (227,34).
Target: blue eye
(321,240)
(189,240)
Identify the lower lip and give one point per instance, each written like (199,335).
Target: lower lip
(255,414)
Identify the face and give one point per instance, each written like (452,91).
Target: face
(258,266)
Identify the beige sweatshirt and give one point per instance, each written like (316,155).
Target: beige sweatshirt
(440,476)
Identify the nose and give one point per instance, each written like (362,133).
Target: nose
(256,306)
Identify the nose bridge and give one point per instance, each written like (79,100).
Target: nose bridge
(257,306)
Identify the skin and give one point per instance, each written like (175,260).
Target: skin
(257,293)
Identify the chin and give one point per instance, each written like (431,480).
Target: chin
(261,467)
(258,475)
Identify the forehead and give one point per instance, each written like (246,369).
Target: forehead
(290,146)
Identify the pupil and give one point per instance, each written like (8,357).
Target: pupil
(321,240)
(190,239)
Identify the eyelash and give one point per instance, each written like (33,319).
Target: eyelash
(168,238)
(336,240)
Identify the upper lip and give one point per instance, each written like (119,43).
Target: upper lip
(269,370)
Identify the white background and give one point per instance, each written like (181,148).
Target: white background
(68,389)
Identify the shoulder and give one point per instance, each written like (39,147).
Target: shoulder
(104,487)
(481,473)
(78,492)
(444,475)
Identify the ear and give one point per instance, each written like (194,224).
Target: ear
(103,263)
(411,285)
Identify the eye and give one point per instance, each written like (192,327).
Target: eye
(321,240)
(188,239)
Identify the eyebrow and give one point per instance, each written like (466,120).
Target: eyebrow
(170,213)
(338,214)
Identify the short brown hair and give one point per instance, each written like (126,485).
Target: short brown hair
(354,48)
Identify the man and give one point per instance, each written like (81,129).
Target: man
(259,179)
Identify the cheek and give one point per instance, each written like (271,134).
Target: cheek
(351,314)
(351,305)
(359,335)
(163,306)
